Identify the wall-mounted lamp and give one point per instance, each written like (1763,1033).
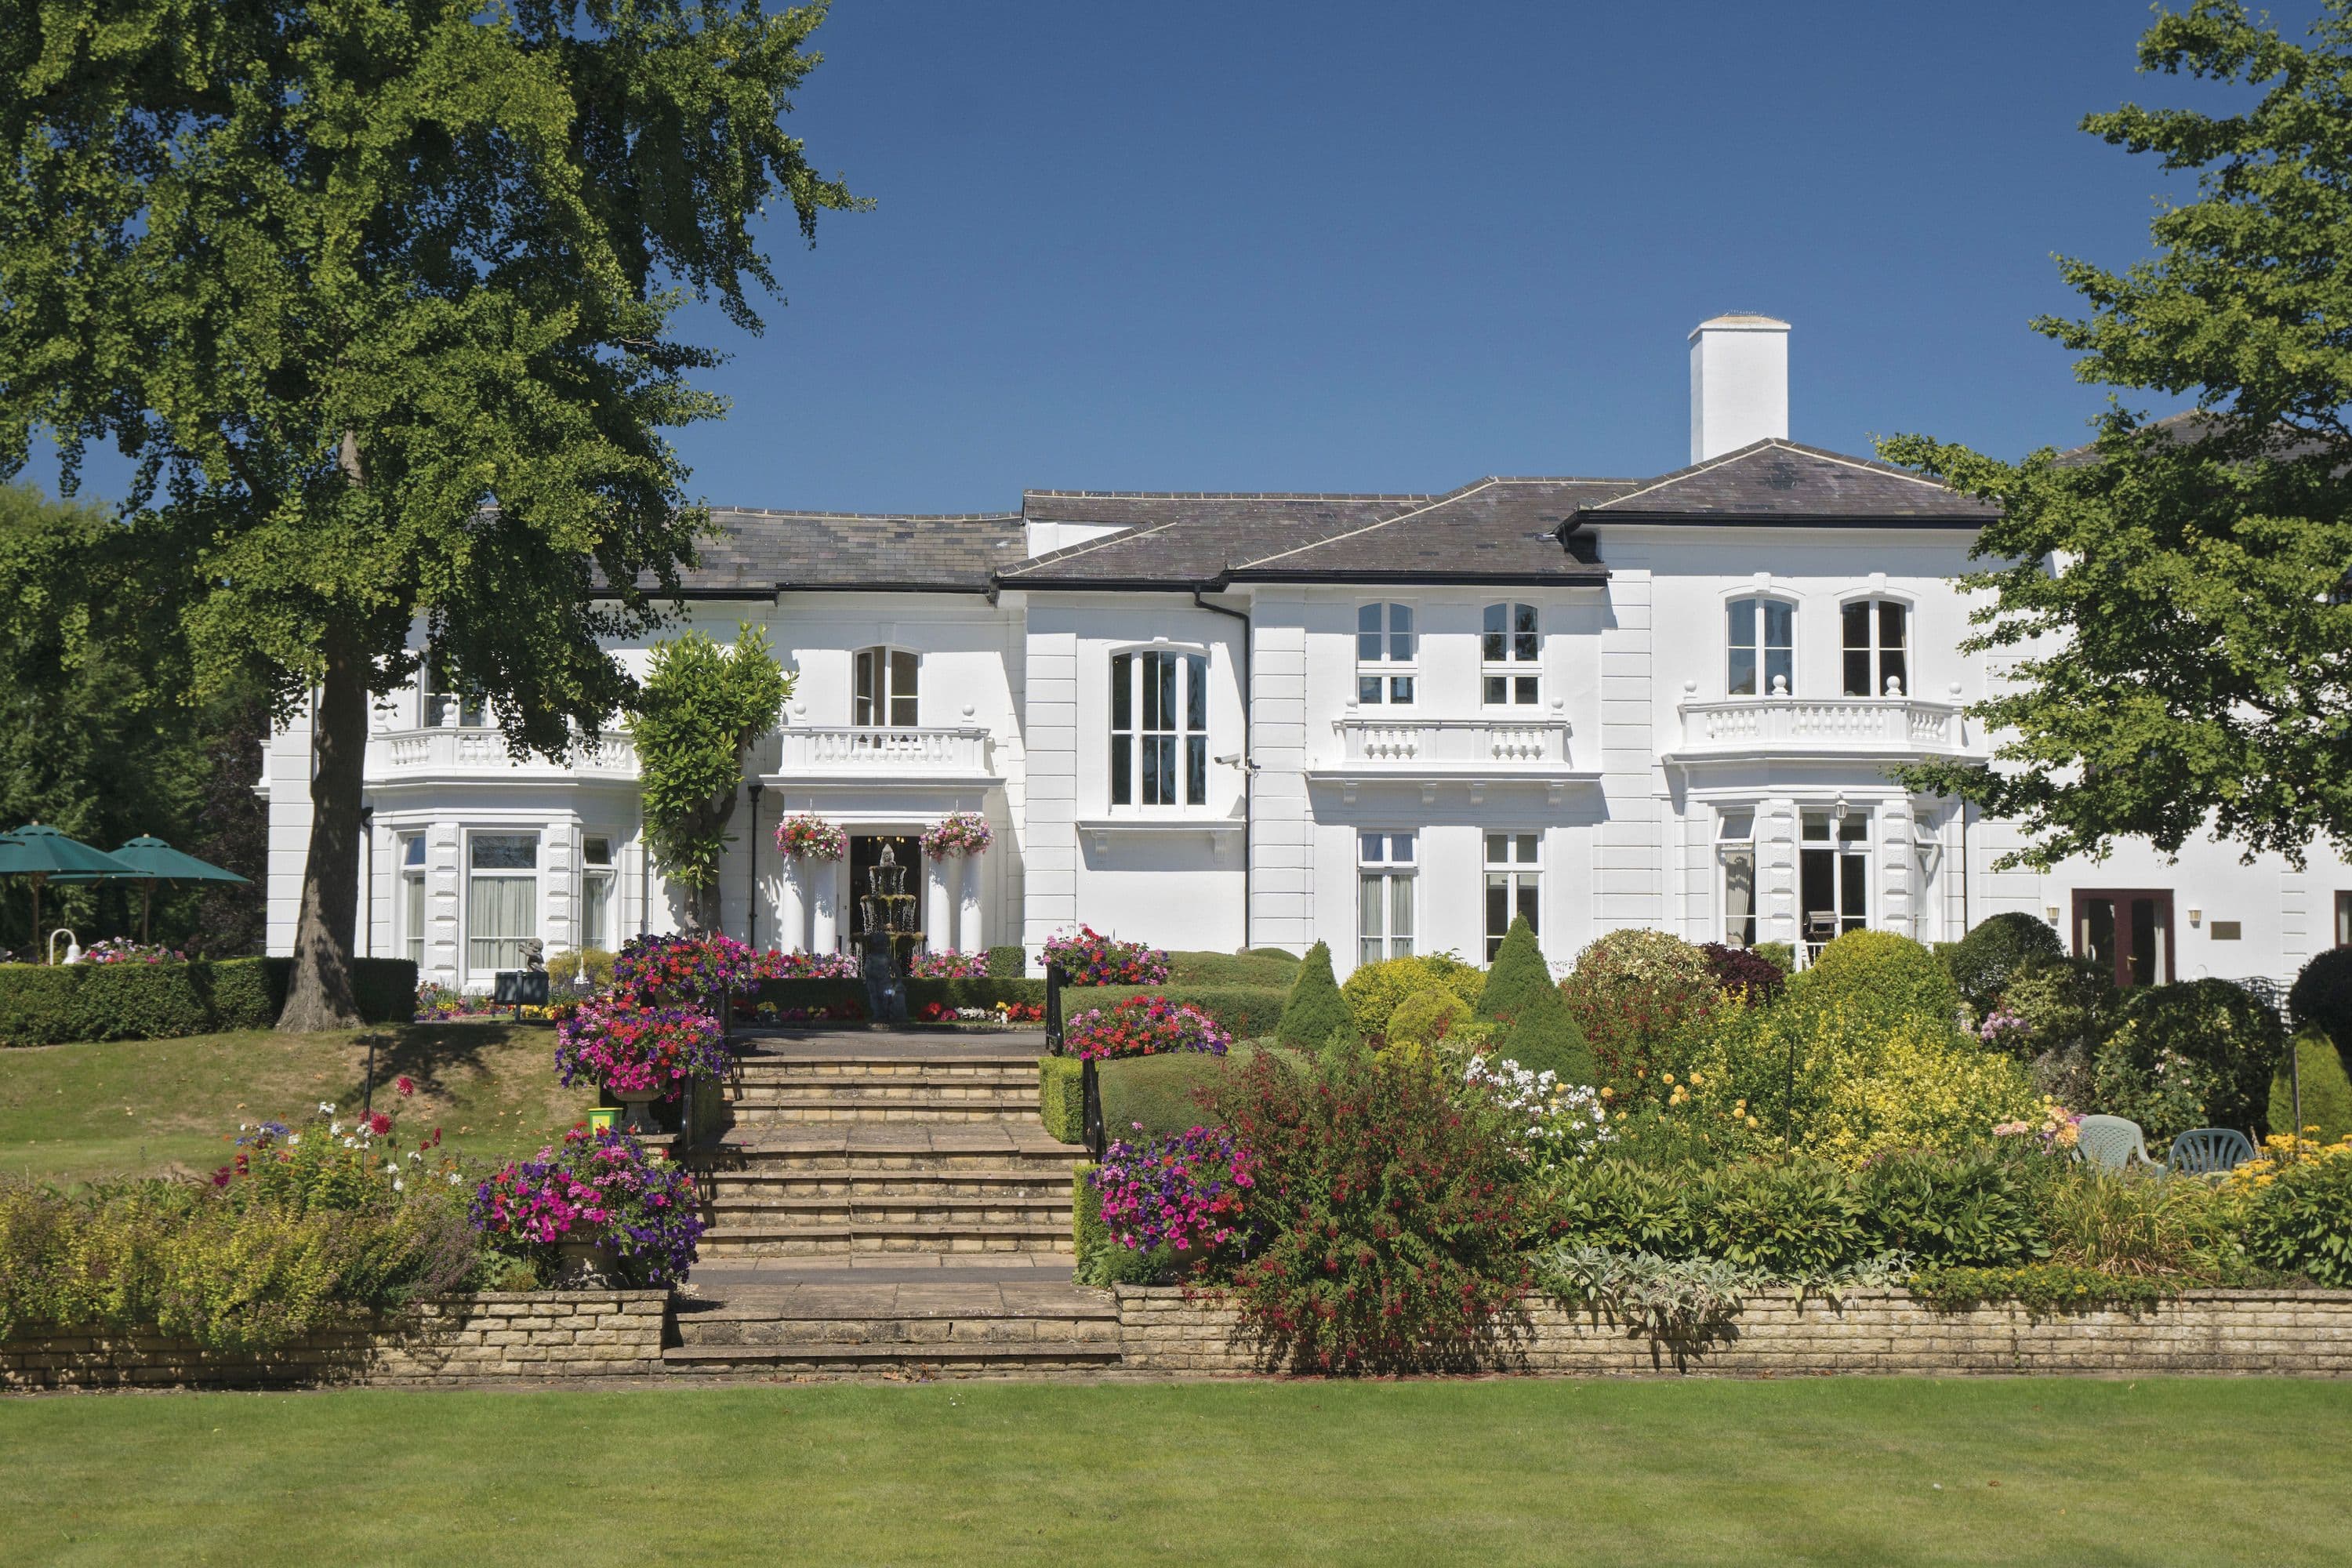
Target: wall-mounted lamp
(2050,914)
(2195,916)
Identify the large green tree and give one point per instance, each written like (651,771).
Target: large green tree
(2174,595)
(379,295)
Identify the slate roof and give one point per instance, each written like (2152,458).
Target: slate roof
(764,552)
(1494,530)
(1782,482)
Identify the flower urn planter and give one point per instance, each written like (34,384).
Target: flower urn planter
(586,1262)
(637,1112)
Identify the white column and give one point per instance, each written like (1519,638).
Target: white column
(968,936)
(939,930)
(824,904)
(792,907)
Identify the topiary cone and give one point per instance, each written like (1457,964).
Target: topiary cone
(1315,1010)
(1537,1032)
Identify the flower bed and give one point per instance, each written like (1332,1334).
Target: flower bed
(1001,1015)
(690,966)
(805,837)
(775,965)
(600,1185)
(1187,1193)
(949,966)
(1549,1120)
(1142,1027)
(959,832)
(1091,958)
(622,1046)
(122,950)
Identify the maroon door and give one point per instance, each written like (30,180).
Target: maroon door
(2127,929)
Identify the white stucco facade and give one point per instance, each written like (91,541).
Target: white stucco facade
(1688,725)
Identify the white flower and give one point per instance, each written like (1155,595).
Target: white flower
(415,1157)
(334,1129)
(327,1107)
(351,1142)
(292,1138)
(453,1178)
(395,1184)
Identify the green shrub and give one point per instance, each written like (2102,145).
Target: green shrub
(2040,1287)
(808,995)
(2301,1218)
(2144,1223)
(976,991)
(1375,990)
(592,966)
(1315,1010)
(1623,1206)
(1630,991)
(2321,997)
(1536,1031)
(1425,1017)
(48,1004)
(2327,1093)
(2067,1009)
(1790,1220)
(1780,955)
(2200,1053)
(1892,974)
(1397,1213)
(1061,1097)
(1998,947)
(1979,1207)
(1008,963)
(1254,971)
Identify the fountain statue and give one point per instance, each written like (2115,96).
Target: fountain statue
(887,938)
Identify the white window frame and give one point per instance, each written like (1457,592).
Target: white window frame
(476,961)
(1879,669)
(1387,630)
(1510,655)
(1735,847)
(1760,650)
(600,883)
(1848,843)
(1517,874)
(880,704)
(1387,884)
(411,859)
(1138,746)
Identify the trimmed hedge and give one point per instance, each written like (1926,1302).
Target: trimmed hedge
(811,994)
(1245,1012)
(45,1005)
(1062,1097)
(1009,962)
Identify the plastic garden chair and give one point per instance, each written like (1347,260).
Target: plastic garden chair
(2208,1151)
(2111,1142)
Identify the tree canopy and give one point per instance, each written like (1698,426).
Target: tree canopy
(2174,597)
(379,295)
(700,707)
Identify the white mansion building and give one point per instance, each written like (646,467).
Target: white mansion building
(1384,721)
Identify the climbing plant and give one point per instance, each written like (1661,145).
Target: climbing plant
(700,705)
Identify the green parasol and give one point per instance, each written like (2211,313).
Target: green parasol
(149,860)
(41,854)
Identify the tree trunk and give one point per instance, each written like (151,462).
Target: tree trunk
(320,996)
(702,902)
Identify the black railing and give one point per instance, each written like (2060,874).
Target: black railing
(1090,1092)
(1056,978)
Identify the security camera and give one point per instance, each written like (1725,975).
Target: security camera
(1229,758)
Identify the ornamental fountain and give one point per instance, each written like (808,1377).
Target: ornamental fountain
(886,938)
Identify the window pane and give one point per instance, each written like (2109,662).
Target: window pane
(1523,632)
(1368,848)
(1780,624)
(1740,679)
(902,677)
(1853,891)
(1857,672)
(597,916)
(1739,898)
(1400,848)
(1491,639)
(1158,770)
(1856,619)
(1400,907)
(1122,771)
(1527,848)
(1493,690)
(1368,633)
(1817,827)
(411,888)
(1743,622)
(862,706)
(1196,769)
(501,912)
(1739,827)
(1159,691)
(1854,830)
(1122,692)
(1780,670)
(1367,688)
(1370,906)
(1498,849)
(412,850)
(1890,670)
(1196,692)
(1498,910)
(505,851)
(1523,690)
(1890,623)
(471,714)
(1526,904)
(1400,688)
(1401,632)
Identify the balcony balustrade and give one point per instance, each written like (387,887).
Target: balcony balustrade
(1824,725)
(449,756)
(880,753)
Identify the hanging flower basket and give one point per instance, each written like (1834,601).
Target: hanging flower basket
(961,833)
(807,837)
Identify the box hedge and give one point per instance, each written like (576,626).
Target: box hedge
(1008,963)
(1061,1097)
(44,1004)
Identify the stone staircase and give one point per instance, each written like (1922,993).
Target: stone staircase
(888,1204)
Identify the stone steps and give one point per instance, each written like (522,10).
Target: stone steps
(974,1321)
(869,1185)
(866,1238)
(859,1088)
(757,1108)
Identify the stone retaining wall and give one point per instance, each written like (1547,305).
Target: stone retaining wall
(454,1339)
(2292,1334)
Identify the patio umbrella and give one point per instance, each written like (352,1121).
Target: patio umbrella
(150,860)
(38,853)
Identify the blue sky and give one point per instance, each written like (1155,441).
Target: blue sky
(1373,247)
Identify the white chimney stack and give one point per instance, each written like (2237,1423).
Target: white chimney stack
(1739,384)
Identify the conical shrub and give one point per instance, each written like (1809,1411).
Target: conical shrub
(1536,1031)
(1315,1010)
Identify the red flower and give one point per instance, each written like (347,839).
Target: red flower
(407,1086)
(378,1123)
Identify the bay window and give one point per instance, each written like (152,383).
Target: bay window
(501,899)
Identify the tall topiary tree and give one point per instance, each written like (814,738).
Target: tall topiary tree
(1996,950)
(1315,1010)
(700,706)
(1536,1031)
(378,294)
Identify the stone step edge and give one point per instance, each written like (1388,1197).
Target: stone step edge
(883,1353)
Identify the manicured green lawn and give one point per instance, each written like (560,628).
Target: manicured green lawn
(1832,1471)
(76,1111)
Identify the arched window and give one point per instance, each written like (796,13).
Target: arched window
(1385,649)
(1762,640)
(1509,657)
(1159,729)
(1877,642)
(885,695)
